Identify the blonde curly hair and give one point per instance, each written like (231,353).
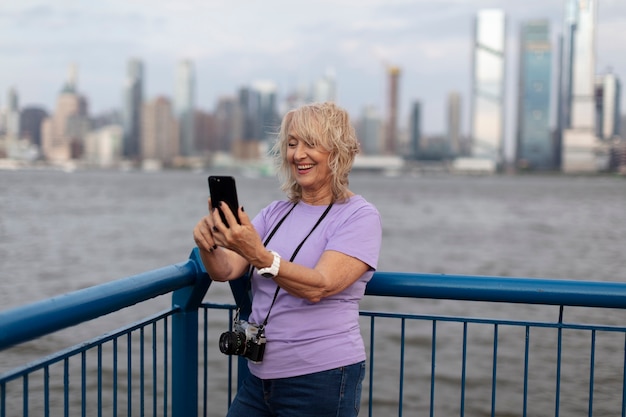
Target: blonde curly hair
(321,125)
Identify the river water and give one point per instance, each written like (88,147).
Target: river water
(60,232)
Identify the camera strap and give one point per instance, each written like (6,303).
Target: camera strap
(293,256)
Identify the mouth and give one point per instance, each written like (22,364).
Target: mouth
(304,167)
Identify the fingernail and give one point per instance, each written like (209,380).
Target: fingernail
(214,247)
(214,229)
(242,208)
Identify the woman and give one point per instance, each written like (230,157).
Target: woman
(314,359)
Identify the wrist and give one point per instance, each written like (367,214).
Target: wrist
(272,269)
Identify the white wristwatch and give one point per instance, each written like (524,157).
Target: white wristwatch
(272,270)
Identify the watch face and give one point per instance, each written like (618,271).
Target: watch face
(267,275)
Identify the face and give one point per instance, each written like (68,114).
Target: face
(309,166)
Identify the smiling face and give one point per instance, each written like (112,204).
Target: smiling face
(310,169)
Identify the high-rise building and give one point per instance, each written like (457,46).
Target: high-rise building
(608,112)
(325,88)
(488,86)
(534,144)
(159,133)
(369,129)
(12,115)
(268,118)
(184,106)
(415,129)
(391,137)
(133,103)
(31,119)
(454,122)
(581,150)
(62,133)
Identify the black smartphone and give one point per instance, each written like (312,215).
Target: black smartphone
(222,188)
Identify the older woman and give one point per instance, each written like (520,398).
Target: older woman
(312,256)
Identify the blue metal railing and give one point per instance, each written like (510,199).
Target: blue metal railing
(174,335)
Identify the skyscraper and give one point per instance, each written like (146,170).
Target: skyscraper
(184,106)
(415,129)
(391,138)
(534,147)
(63,132)
(133,102)
(454,123)
(581,150)
(488,82)
(369,131)
(159,133)
(608,112)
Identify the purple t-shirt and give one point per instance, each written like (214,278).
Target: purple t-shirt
(304,337)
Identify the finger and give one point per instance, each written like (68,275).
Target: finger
(228,214)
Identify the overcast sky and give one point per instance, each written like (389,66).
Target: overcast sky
(236,42)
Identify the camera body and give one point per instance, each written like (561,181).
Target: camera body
(246,339)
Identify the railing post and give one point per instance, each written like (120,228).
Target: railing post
(185,343)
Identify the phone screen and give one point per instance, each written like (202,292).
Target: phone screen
(222,188)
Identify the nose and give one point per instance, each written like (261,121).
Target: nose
(299,152)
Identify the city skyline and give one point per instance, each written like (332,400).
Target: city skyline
(430,41)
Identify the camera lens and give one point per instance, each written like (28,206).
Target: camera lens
(233,343)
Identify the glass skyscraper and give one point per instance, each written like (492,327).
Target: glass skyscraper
(184,106)
(535,149)
(581,149)
(488,82)
(133,102)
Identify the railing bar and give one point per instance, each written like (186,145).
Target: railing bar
(99,352)
(592,367)
(83,381)
(155,369)
(463,369)
(142,372)
(46,390)
(205,354)
(558,363)
(402,345)
(526,363)
(433,350)
(66,386)
(166,366)
(494,381)
(624,381)
(25,399)
(3,399)
(129,375)
(115,377)
(371,373)
(90,344)
(230,363)
(519,323)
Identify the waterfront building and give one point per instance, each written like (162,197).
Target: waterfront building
(12,115)
(415,129)
(534,144)
(31,119)
(159,134)
(268,118)
(488,87)
(133,103)
(103,146)
(453,126)
(324,88)
(369,131)
(62,134)
(391,136)
(184,107)
(608,110)
(581,150)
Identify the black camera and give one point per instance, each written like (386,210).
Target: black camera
(246,339)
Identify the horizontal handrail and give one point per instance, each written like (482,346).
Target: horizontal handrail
(499,289)
(37,319)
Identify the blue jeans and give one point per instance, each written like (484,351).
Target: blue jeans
(333,393)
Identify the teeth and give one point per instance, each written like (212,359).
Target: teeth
(305,166)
